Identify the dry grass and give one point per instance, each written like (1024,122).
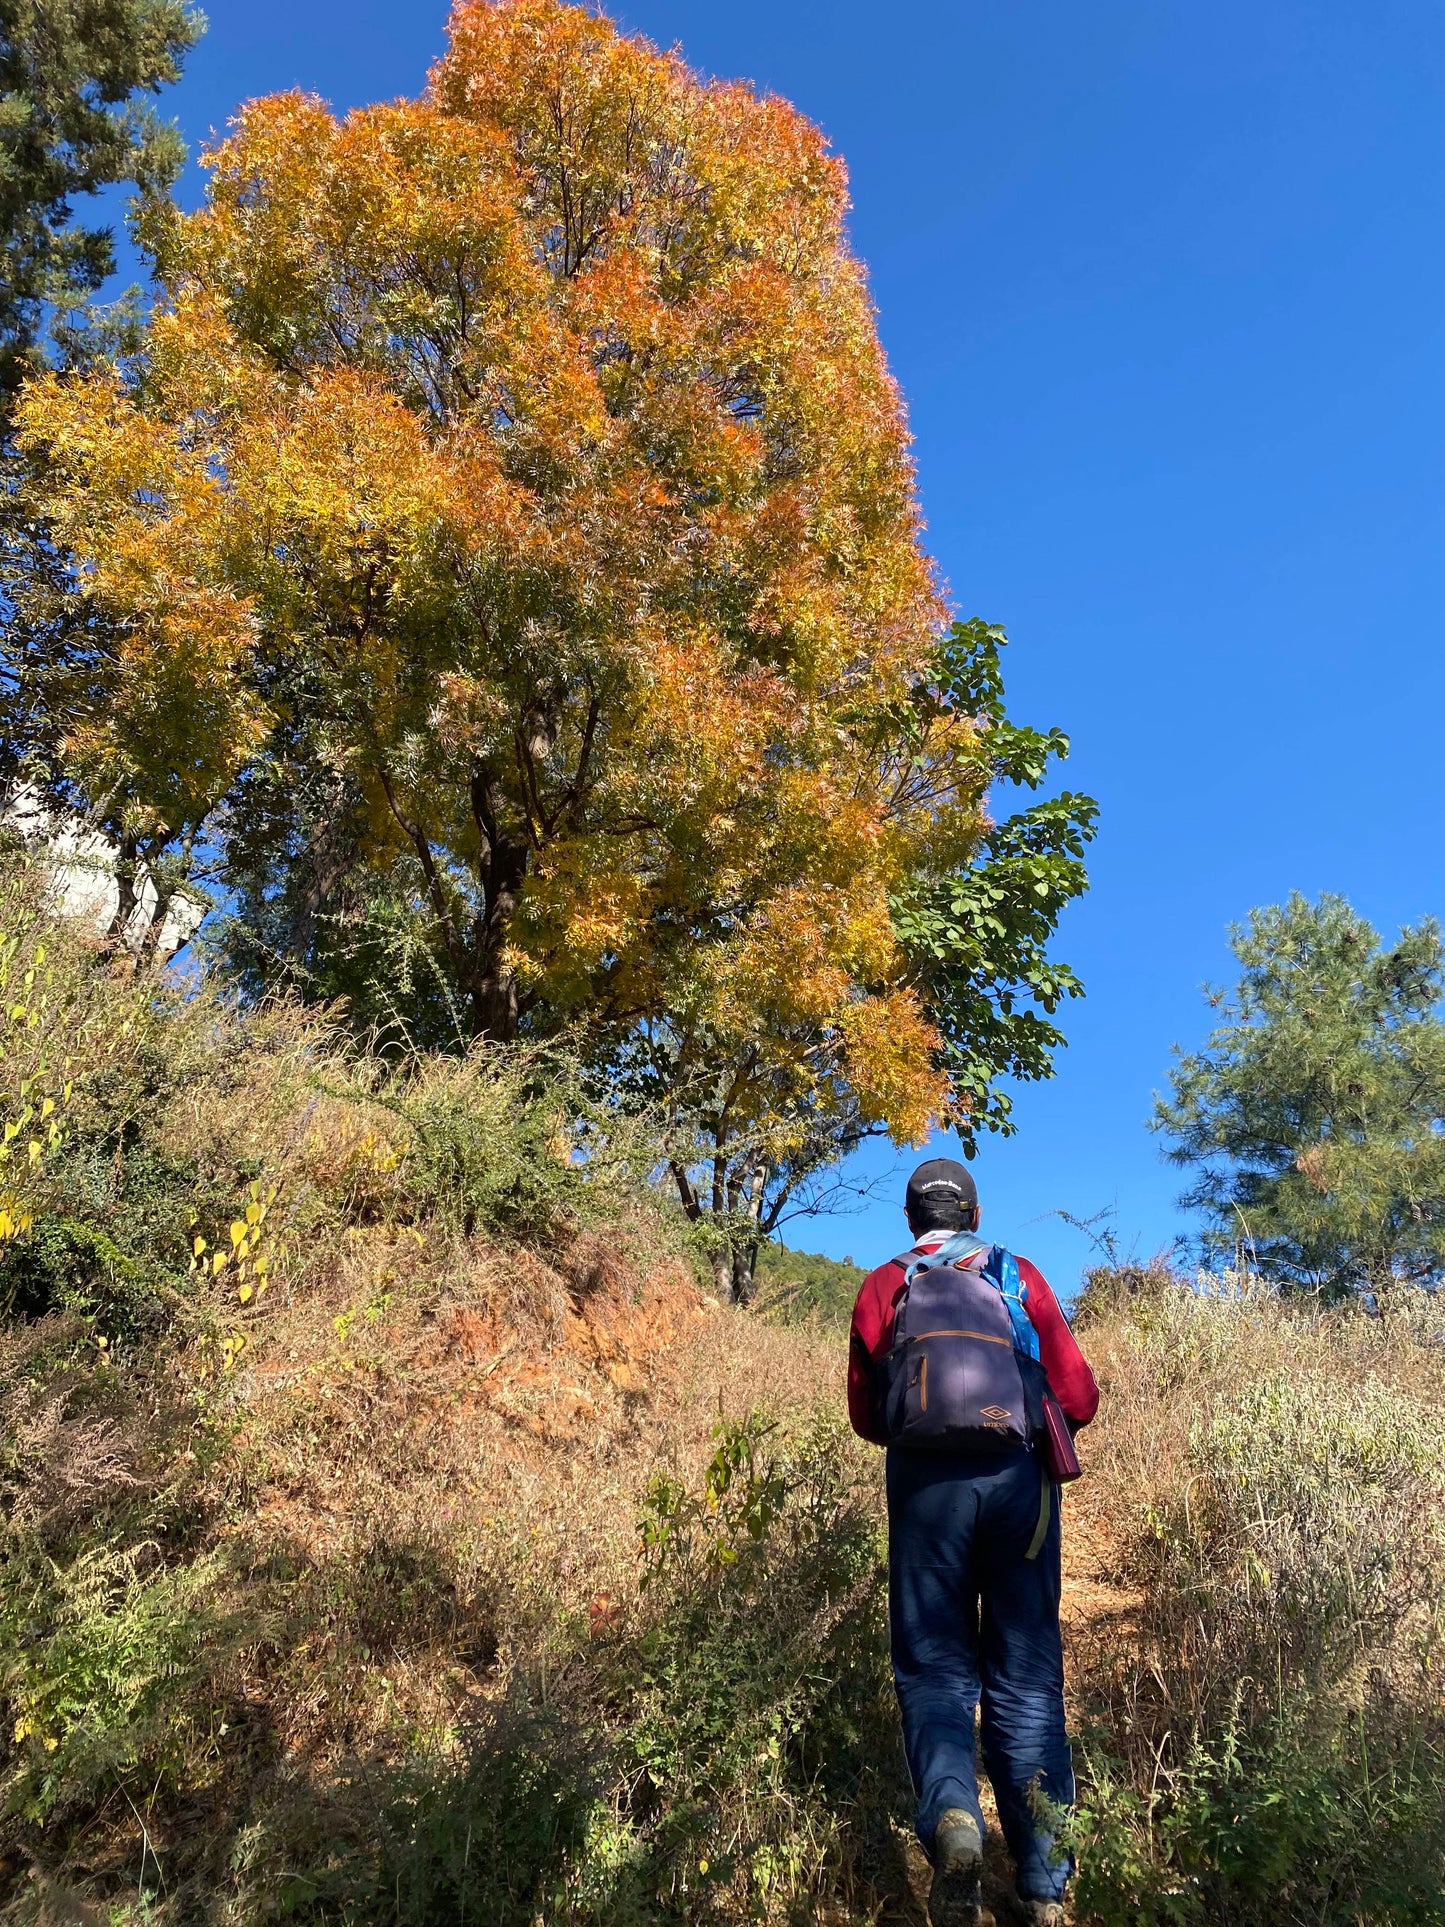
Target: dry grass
(287,1551)
(423,1483)
(331,1602)
(1256,1673)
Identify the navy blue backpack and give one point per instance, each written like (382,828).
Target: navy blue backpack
(963,1372)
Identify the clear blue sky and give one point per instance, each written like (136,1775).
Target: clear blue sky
(1163,284)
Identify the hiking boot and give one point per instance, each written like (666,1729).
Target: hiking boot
(956,1897)
(1042,1913)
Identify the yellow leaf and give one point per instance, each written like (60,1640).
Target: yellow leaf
(238,1231)
(244,1294)
(198,1247)
(218,1263)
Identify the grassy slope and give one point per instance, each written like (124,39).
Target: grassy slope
(355,1622)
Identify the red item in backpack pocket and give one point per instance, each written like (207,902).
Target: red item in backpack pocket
(1058,1443)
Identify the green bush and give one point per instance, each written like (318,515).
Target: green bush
(1286,1824)
(505,1139)
(105,1654)
(114,1623)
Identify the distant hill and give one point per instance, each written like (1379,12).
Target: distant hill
(793,1286)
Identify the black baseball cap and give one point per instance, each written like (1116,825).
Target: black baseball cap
(941,1181)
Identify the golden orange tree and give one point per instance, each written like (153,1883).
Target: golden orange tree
(760,1087)
(512,507)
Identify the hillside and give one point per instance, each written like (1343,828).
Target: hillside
(794,1286)
(397,1532)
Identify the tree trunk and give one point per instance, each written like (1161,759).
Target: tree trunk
(148,949)
(329,854)
(502,870)
(495,998)
(722,1273)
(745,1263)
(745,1260)
(685,1191)
(127,896)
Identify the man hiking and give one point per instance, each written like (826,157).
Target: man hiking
(958,1349)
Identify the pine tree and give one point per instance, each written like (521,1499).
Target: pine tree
(71,123)
(1316,1112)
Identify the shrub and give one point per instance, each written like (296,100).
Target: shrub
(114,1626)
(505,1139)
(105,1655)
(166,1112)
(1109,1290)
(1270,1745)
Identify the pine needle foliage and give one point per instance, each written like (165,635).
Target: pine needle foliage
(1315,1113)
(73,120)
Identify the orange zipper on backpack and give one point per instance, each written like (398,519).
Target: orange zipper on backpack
(988,1338)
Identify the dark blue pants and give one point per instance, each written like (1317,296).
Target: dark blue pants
(974,1620)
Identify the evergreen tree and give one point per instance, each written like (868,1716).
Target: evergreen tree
(1315,1113)
(70,124)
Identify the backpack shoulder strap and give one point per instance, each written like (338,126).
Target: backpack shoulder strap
(1002,1269)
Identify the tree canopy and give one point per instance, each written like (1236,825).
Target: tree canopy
(759,1116)
(514,484)
(1316,1111)
(503,562)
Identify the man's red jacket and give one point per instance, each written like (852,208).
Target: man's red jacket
(1068,1370)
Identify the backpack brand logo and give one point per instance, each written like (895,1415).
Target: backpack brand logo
(996,1415)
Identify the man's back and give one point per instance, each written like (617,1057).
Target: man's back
(874,1313)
